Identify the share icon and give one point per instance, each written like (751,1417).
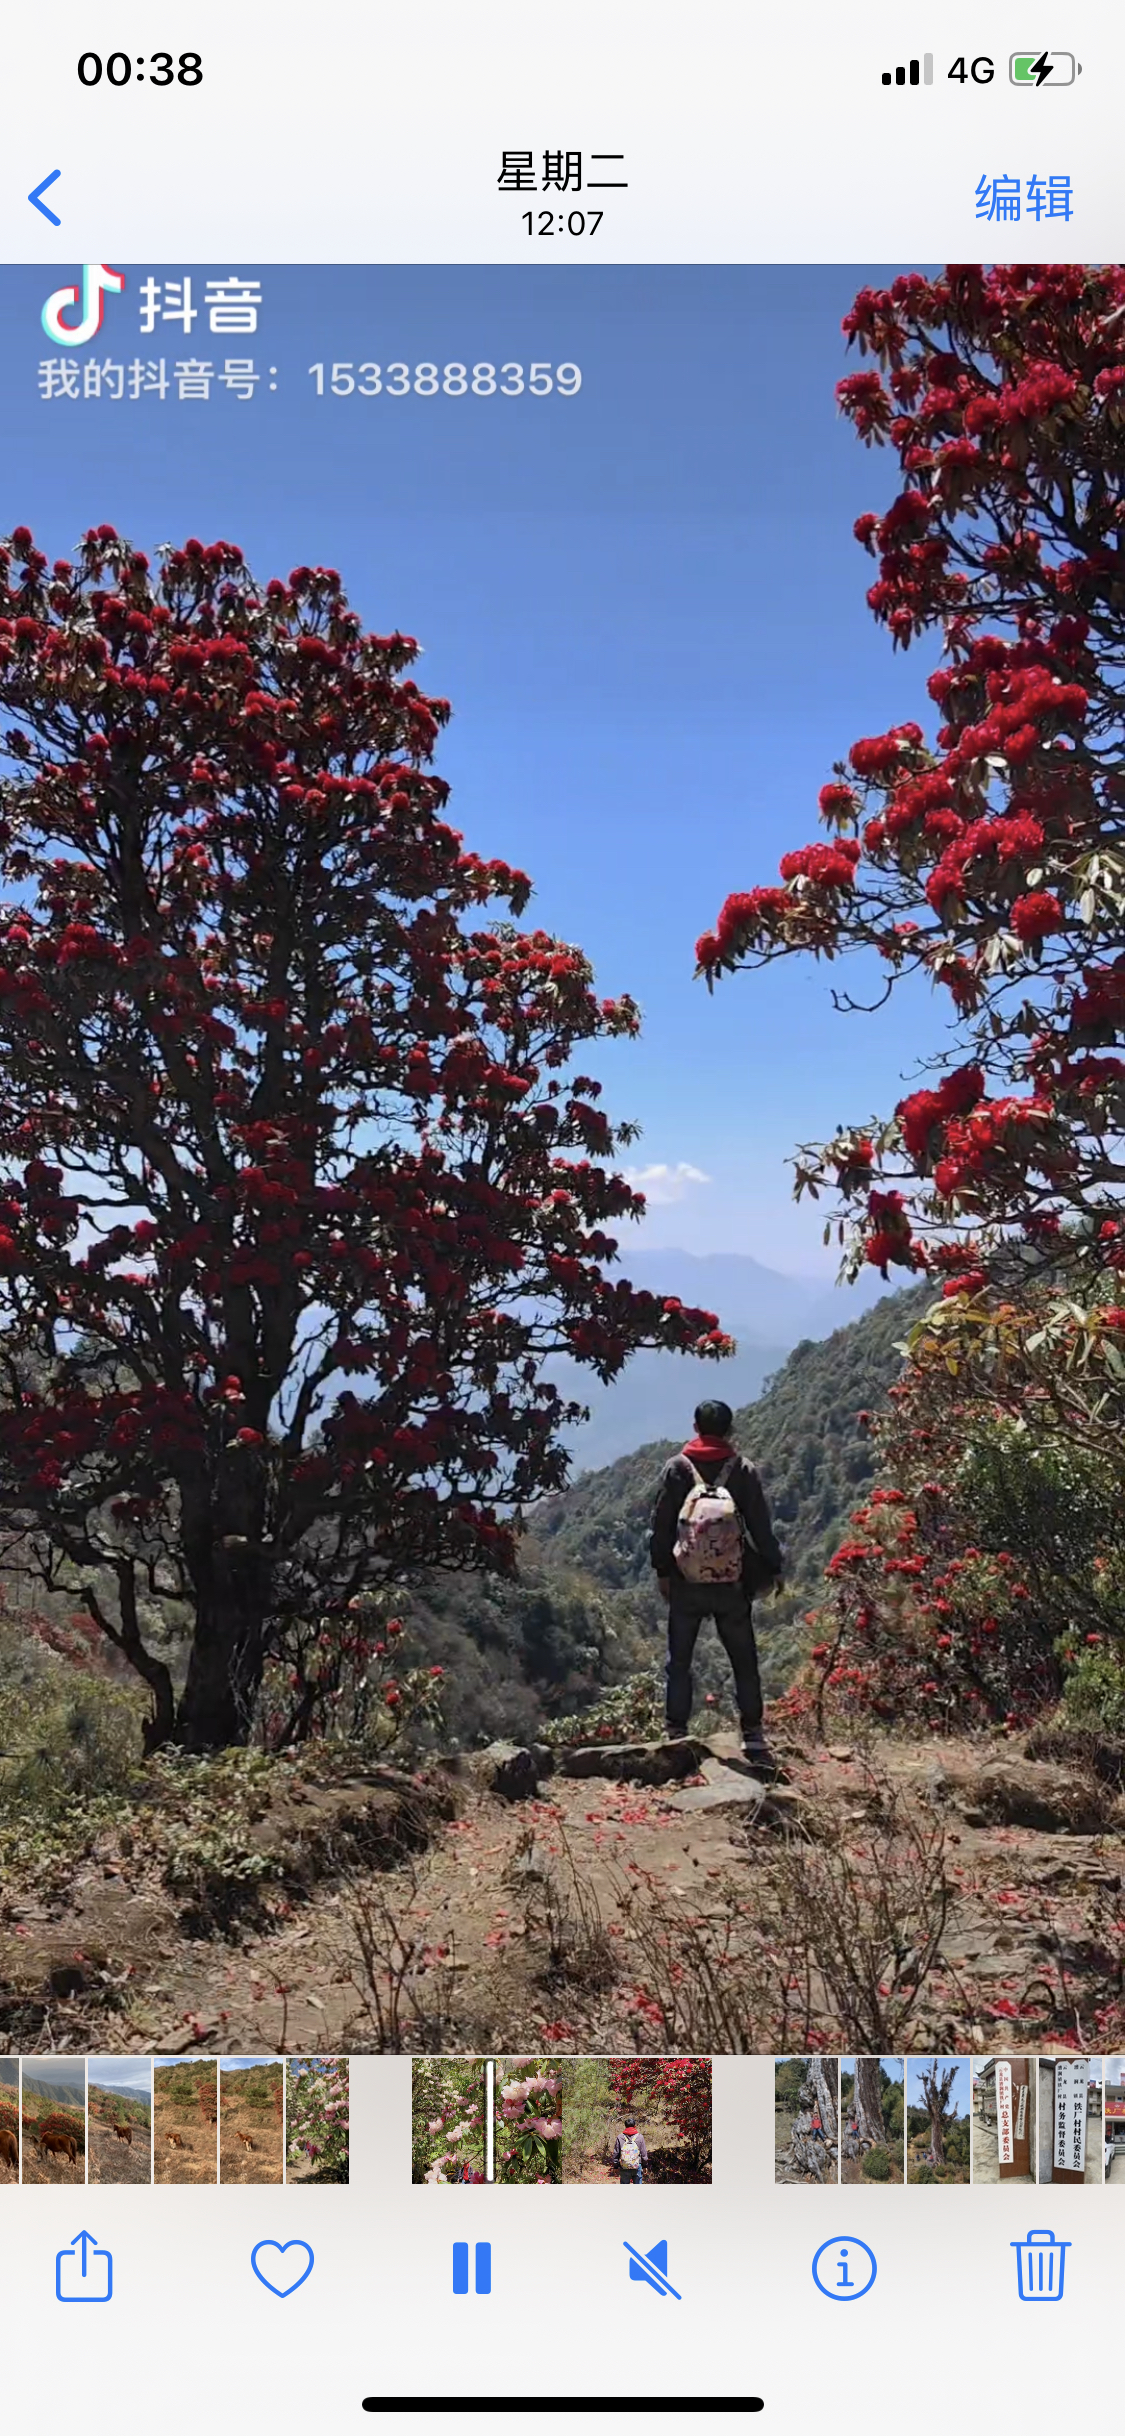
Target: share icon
(651,2267)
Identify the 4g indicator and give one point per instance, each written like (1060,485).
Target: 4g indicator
(1029,69)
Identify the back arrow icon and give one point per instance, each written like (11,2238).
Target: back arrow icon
(37,194)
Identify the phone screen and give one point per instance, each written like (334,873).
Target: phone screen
(562,1133)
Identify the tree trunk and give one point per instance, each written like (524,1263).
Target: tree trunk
(935,2090)
(869,2099)
(232,1579)
(824,2083)
(223,1679)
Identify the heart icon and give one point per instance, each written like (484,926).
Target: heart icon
(280,2273)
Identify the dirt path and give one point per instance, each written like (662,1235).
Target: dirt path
(535,1922)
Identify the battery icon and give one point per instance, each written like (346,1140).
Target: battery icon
(1043,68)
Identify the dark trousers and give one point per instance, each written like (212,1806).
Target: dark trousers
(728,1602)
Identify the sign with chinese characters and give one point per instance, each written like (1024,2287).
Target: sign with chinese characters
(1070,2116)
(1005,2148)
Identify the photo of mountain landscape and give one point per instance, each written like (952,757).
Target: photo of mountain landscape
(53,2110)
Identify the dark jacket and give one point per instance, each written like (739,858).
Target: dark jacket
(763,1558)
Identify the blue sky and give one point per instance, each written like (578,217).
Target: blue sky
(242,2063)
(130,2073)
(958,2100)
(645,603)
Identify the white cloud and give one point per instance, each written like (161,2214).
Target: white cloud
(662,1184)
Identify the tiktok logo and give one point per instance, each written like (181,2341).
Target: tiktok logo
(98,282)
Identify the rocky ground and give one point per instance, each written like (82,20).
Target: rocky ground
(952,1897)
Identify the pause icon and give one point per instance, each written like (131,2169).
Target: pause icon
(482,2266)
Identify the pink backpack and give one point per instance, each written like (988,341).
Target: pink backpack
(709,1543)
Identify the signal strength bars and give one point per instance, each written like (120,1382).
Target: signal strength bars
(916,72)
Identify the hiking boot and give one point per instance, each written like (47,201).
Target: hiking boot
(676,1733)
(758,1756)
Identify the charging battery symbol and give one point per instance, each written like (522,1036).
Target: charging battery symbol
(1043,68)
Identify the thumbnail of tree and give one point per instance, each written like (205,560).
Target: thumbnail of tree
(937,2133)
(300,1184)
(806,2119)
(986,1575)
(872,2120)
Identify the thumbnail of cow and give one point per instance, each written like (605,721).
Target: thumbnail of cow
(185,2103)
(251,2119)
(119,2118)
(9,2118)
(53,2111)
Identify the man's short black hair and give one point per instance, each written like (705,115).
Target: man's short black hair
(713,1420)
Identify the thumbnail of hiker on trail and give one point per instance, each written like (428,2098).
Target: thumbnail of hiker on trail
(630,2156)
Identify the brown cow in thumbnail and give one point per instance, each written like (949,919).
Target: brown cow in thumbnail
(60,2144)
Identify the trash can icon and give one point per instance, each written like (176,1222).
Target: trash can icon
(1040,2266)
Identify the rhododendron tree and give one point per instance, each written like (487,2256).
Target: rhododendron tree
(984,1577)
(351,1677)
(299,1184)
(989,857)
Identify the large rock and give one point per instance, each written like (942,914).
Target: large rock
(1018,1792)
(640,1763)
(515,1770)
(735,1791)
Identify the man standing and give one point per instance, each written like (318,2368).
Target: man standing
(712,1548)
(630,2155)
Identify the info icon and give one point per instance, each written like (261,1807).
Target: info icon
(844,2269)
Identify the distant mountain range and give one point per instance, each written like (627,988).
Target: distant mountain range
(57,2093)
(766,1312)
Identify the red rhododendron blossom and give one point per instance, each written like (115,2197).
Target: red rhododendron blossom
(990,847)
(1037,916)
(365,1194)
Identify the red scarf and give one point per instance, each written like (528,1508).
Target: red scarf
(708,1450)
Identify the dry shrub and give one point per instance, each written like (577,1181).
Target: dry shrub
(561,1915)
(831,1943)
(405,1982)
